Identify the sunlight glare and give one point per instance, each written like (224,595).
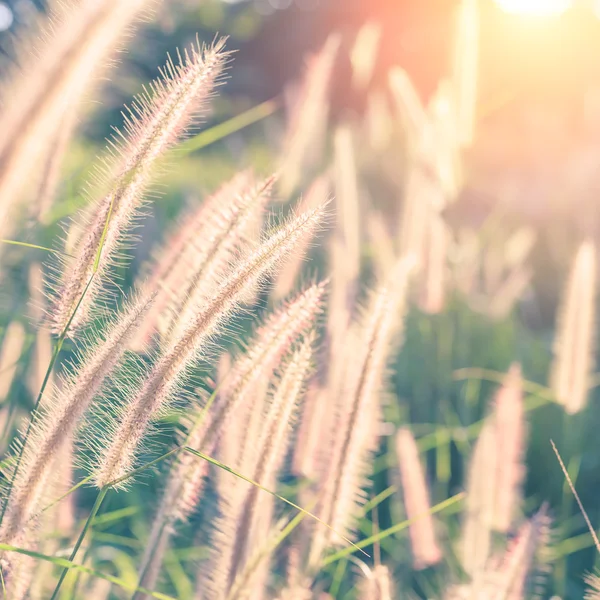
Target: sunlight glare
(538,8)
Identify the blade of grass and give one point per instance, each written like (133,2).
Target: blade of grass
(579,503)
(220,465)
(391,530)
(67,564)
(34,246)
(233,125)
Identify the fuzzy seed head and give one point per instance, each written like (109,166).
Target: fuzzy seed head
(155,122)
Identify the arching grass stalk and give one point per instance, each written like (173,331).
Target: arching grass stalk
(34,246)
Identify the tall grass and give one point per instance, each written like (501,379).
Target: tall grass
(209,417)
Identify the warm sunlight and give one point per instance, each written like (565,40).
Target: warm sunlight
(539,8)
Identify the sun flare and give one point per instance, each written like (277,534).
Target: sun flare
(538,8)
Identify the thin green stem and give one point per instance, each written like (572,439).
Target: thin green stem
(67,493)
(99,499)
(134,472)
(34,412)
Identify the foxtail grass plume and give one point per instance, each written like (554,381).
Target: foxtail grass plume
(53,163)
(185,249)
(271,451)
(379,122)
(420,196)
(574,345)
(168,373)
(478,518)
(308,117)
(593,590)
(512,575)
(12,346)
(310,454)
(247,423)
(157,119)
(509,420)
(271,342)
(380,239)
(363,55)
(227,236)
(434,278)
(228,421)
(408,103)
(358,398)
(42,350)
(317,194)
(516,571)
(425,548)
(59,419)
(73,44)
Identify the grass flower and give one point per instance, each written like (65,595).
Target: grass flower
(574,345)
(355,435)
(166,376)
(425,548)
(186,249)
(60,417)
(509,420)
(157,119)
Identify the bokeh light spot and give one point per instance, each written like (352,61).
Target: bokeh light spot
(6,17)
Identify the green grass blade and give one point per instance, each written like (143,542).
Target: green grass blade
(391,530)
(233,125)
(69,565)
(34,246)
(220,465)
(262,553)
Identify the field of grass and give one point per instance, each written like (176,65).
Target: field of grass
(261,350)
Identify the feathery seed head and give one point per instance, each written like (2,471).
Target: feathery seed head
(425,548)
(170,369)
(60,416)
(356,437)
(574,346)
(186,249)
(377,584)
(73,43)
(509,420)
(154,123)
